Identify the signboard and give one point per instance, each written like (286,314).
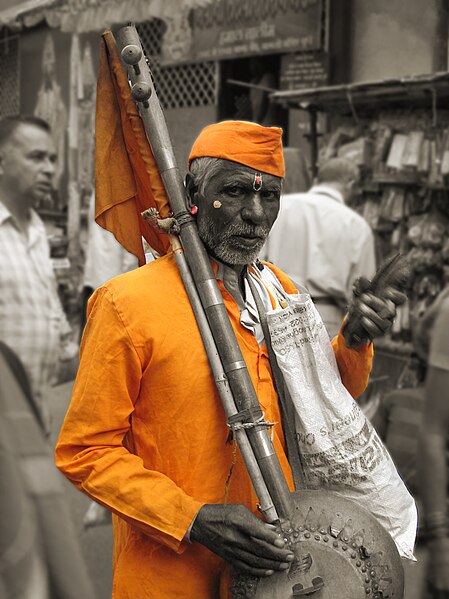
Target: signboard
(10,9)
(303,70)
(237,28)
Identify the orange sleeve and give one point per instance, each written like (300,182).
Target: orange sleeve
(354,364)
(91,449)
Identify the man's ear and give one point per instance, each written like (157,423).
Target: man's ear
(191,190)
(353,186)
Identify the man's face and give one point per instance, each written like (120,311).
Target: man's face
(235,231)
(27,163)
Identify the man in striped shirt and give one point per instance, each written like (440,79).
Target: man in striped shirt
(32,321)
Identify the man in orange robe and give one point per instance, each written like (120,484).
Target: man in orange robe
(145,434)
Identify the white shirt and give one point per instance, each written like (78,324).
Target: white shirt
(105,256)
(32,320)
(321,243)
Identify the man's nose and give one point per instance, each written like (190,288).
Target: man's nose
(49,165)
(253,209)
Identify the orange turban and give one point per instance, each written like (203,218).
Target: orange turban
(247,143)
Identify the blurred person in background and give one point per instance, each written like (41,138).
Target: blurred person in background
(433,332)
(32,320)
(40,556)
(320,242)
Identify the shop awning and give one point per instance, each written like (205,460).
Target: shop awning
(82,16)
(426,90)
(14,11)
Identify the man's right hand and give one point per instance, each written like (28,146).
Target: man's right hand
(246,542)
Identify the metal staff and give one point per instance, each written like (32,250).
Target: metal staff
(266,504)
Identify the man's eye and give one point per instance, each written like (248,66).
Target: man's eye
(39,157)
(270,195)
(235,190)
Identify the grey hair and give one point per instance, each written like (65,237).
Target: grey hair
(203,169)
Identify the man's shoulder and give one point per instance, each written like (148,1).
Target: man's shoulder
(142,297)
(149,289)
(162,271)
(294,205)
(293,199)
(313,200)
(285,281)
(359,221)
(354,220)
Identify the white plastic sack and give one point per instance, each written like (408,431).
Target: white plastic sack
(339,448)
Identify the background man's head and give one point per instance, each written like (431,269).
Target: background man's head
(235,180)
(27,159)
(341,174)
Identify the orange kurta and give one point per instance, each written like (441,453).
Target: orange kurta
(146,435)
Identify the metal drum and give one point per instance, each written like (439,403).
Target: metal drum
(342,552)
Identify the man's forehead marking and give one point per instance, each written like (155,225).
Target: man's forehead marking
(257,183)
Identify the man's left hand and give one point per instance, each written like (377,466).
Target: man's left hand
(370,316)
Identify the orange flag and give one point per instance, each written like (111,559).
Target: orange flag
(127,180)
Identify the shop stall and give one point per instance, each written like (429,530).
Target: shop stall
(397,131)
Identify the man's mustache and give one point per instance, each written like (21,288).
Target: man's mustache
(247,230)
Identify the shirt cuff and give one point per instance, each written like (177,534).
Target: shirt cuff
(189,530)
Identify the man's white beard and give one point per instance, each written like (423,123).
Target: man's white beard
(225,246)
